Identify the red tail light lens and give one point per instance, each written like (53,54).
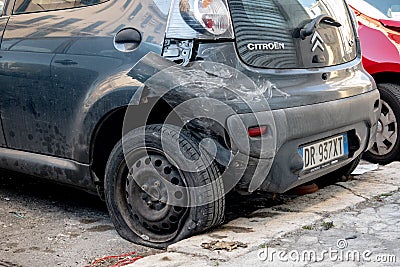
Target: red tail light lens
(257,131)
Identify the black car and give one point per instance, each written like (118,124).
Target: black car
(164,106)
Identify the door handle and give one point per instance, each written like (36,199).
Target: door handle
(66,62)
(127,39)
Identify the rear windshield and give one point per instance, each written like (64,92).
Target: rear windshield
(294,12)
(275,21)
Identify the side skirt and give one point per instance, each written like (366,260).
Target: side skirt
(60,170)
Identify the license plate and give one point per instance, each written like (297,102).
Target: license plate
(324,153)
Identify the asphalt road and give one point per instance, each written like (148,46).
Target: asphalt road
(46,224)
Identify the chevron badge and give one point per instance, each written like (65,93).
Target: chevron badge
(317,42)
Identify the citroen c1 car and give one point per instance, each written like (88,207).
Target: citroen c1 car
(379,31)
(164,106)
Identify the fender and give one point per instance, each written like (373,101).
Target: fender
(96,106)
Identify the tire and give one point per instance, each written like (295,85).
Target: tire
(387,147)
(138,206)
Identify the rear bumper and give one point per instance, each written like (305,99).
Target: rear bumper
(275,165)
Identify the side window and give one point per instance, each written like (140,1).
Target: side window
(30,6)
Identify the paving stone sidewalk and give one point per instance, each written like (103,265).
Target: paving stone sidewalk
(367,235)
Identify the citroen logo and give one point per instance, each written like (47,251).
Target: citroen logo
(317,42)
(266,46)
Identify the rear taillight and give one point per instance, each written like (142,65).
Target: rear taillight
(212,15)
(257,131)
(200,19)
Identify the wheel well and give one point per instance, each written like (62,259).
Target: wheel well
(387,77)
(107,134)
(109,130)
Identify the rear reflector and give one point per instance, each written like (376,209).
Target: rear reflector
(257,131)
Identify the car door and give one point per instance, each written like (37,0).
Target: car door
(5,9)
(56,55)
(26,51)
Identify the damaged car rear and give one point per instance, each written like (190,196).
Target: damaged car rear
(176,103)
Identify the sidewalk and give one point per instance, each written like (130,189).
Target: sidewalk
(344,210)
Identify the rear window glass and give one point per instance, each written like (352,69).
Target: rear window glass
(266,33)
(293,12)
(29,6)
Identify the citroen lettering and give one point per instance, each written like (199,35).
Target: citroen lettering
(266,46)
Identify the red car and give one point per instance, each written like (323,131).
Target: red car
(379,31)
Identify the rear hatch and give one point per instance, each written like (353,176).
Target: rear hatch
(287,34)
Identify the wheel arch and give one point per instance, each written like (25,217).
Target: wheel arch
(386,77)
(109,130)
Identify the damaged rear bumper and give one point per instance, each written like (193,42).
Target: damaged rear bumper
(275,164)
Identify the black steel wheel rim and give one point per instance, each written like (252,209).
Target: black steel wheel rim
(146,196)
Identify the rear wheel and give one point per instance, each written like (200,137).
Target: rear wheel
(144,208)
(387,146)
